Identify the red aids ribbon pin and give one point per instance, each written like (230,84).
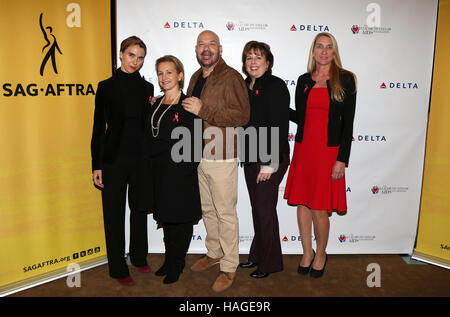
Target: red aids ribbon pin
(306,88)
(149,99)
(176,117)
(257,92)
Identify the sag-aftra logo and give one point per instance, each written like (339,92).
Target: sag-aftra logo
(51,49)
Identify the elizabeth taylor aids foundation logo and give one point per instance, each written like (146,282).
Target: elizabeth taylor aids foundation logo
(50,47)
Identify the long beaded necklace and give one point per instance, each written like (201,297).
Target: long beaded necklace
(155,134)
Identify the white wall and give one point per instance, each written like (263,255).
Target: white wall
(390,123)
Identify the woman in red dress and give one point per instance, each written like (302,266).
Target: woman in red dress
(325,100)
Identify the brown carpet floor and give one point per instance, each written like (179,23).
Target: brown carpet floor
(345,276)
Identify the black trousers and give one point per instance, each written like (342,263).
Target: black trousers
(266,246)
(125,171)
(177,238)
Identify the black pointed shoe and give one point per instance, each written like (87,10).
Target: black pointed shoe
(247,265)
(318,273)
(303,270)
(258,274)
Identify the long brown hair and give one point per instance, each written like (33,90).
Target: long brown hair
(337,92)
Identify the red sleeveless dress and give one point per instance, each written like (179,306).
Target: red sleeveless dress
(309,180)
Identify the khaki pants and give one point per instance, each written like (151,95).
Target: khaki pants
(218,192)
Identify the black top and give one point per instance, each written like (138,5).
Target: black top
(340,115)
(161,142)
(121,102)
(197,92)
(132,133)
(269,108)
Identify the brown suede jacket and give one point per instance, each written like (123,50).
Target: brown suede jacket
(225,106)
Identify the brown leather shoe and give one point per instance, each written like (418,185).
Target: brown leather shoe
(223,281)
(204,263)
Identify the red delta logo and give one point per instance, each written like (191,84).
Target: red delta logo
(184,25)
(399,85)
(293,238)
(355,29)
(291,137)
(342,238)
(310,28)
(375,190)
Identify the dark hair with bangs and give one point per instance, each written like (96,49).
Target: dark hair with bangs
(262,48)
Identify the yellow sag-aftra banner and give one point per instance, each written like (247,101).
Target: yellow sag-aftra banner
(53,53)
(433,239)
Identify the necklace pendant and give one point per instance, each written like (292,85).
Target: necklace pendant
(155,131)
(162,115)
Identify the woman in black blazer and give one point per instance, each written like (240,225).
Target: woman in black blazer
(264,167)
(171,146)
(325,99)
(121,102)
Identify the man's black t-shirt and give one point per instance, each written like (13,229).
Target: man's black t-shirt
(198,88)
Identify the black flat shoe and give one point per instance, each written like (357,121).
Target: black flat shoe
(259,274)
(318,273)
(302,270)
(173,274)
(247,265)
(172,277)
(162,271)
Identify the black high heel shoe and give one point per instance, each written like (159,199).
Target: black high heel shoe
(302,270)
(318,273)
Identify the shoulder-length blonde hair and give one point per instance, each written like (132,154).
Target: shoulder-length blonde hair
(337,92)
(176,62)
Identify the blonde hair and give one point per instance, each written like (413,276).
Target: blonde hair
(176,62)
(337,92)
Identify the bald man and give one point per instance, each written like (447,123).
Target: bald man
(218,95)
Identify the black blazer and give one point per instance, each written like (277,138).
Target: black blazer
(109,118)
(269,107)
(340,115)
(176,190)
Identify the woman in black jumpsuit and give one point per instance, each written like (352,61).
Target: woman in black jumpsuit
(121,103)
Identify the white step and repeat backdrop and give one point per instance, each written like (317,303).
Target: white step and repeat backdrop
(388,44)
